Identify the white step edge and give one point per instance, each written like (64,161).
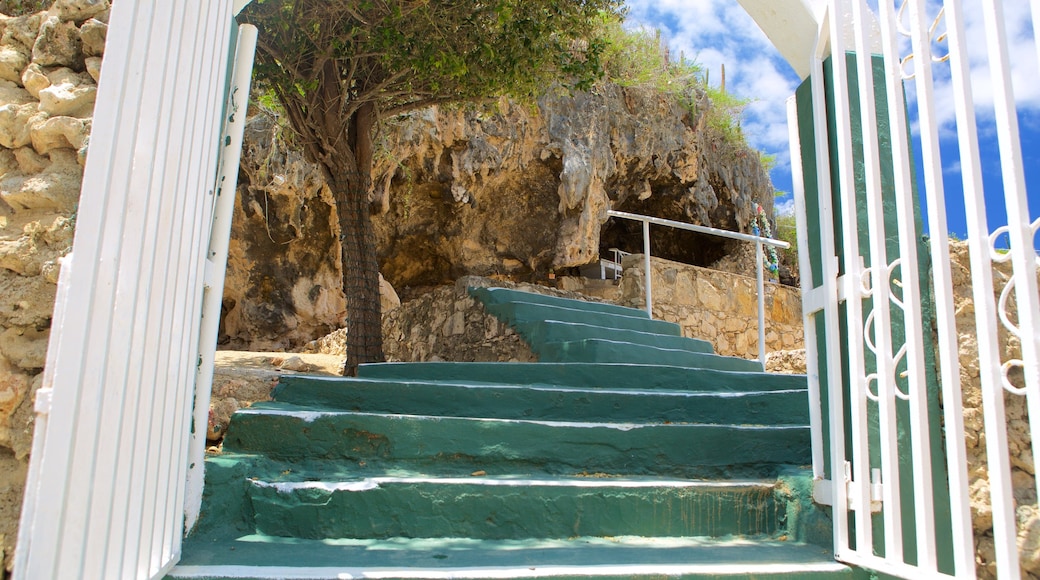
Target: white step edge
(376,482)
(634,570)
(311,416)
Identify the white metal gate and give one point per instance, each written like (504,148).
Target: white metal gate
(888,422)
(105,496)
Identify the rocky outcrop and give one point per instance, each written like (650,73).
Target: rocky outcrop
(501,189)
(49,65)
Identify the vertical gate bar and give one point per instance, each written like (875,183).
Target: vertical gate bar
(805,275)
(148,558)
(982,290)
(852,286)
(880,287)
(201,176)
(760,281)
(647,272)
(836,397)
(943,298)
(132,497)
(1023,254)
(216,264)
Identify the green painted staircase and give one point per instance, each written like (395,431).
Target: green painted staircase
(629,452)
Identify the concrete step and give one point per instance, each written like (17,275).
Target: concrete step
(419,442)
(262,557)
(512,507)
(588,375)
(594,350)
(489,296)
(539,333)
(518,313)
(549,402)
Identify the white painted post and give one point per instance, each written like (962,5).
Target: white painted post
(760,279)
(647,272)
(216,263)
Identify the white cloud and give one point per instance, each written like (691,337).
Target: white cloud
(717,33)
(784,206)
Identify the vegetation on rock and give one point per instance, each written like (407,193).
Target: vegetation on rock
(338,67)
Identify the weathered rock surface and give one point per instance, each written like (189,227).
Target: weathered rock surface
(500,189)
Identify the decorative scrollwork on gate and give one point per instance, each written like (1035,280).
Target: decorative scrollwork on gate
(998,256)
(937,37)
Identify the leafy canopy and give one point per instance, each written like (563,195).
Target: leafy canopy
(406,54)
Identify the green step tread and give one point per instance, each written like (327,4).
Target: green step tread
(265,557)
(287,431)
(544,331)
(597,350)
(513,508)
(517,313)
(490,296)
(605,375)
(551,402)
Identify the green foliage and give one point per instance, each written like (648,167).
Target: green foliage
(787,230)
(637,58)
(23,7)
(403,54)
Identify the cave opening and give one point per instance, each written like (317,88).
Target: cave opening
(668,243)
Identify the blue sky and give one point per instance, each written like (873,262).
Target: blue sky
(719,32)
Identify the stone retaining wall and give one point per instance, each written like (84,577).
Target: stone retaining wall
(719,307)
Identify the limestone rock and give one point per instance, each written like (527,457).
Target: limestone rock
(12,94)
(59,44)
(59,132)
(93,33)
(68,99)
(29,161)
(14,384)
(55,188)
(21,32)
(25,348)
(79,10)
(93,65)
(12,62)
(34,79)
(388,299)
(16,123)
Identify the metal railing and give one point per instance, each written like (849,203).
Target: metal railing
(759,258)
(882,443)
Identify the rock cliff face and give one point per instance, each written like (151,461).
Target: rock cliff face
(501,189)
(49,66)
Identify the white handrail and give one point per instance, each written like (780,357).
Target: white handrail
(759,274)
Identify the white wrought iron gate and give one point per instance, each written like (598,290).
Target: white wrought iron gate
(881,319)
(105,496)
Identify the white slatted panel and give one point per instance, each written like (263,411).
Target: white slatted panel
(105,492)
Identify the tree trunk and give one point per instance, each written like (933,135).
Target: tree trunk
(349,183)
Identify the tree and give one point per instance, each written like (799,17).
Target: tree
(338,66)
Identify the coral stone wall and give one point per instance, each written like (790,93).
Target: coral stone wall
(49,66)
(720,307)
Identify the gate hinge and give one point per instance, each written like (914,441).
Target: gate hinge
(44,398)
(823,491)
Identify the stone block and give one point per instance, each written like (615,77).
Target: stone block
(93,33)
(16,122)
(57,133)
(79,10)
(67,99)
(34,79)
(58,44)
(12,63)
